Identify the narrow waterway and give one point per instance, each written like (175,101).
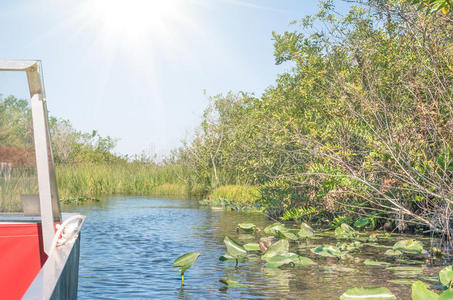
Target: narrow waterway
(129,244)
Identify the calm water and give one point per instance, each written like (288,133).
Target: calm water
(129,244)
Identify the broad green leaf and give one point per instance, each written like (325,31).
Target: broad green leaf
(278,248)
(370,293)
(274,229)
(328,251)
(446,276)
(305,231)
(184,262)
(247,227)
(409,246)
(391,252)
(233,248)
(447,295)
(421,292)
(252,247)
(362,222)
(288,234)
(345,232)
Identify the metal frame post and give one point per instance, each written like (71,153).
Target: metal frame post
(48,195)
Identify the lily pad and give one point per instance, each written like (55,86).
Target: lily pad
(370,293)
(362,222)
(247,227)
(447,295)
(328,251)
(305,231)
(278,248)
(234,249)
(345,232)
(421,292)
(289,234)
(391,252)
(409,246)
(370,262)
(184,262)
(288,259)
(446,276)
(252,247)
(274,229)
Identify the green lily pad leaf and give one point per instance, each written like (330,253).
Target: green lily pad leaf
(274,229)
(184,262)
(232,283)
(288,234)
(409,246)
(421,292)
(370,293)
(305,231)
(391,252)
(304,261)
(402,281)
(370,262)
(247,227)
(345,232)
(446,276)
(362,222)
(328,251)
(233,248)
(278,248)
(252,247)
(447,295)
(349,246)
(288,259)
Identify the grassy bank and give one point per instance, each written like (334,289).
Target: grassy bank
(90,181)
(234,196)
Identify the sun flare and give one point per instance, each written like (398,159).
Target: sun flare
(134,19)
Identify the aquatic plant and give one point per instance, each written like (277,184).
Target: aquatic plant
(184,262)
(371,293)
(410,246)
(305,231)
(345,232)
(278,248)
(247,227)
(329,251)
(234,249)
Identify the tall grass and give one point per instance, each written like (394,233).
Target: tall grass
(89,181)
(20,181)
(244,194)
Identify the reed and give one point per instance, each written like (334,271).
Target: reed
(90,181)
(244,194)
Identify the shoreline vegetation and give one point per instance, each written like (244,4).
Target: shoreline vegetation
(359,131)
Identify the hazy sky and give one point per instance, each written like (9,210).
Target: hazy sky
(137,69)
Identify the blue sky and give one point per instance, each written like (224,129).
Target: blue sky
(136,69)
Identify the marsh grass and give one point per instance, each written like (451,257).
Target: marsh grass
(83,182)
(20,181)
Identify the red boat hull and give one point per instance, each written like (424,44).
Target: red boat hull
(21,257)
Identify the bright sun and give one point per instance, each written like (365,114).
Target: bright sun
(133,20)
